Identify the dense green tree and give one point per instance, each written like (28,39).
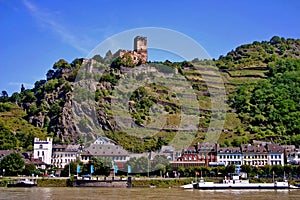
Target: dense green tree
(73,169)
(8,141)
(15,97)
(98,58)
(273,105)
(28,96)
(62,64)
(4,96)
(76,63)
(50,74)
(30,169)
(246,168)
(275,40)
(160,163)
(13,164)
(230,169)
(101,167)
(139,165)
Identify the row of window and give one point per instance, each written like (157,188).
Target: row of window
(58,166)
(260,163)
(245,157)
(61,160)
(249,157)
(230,156)
(275,156)
(190,157)
(100,147)
(63,155)
(257,157)
(232,162)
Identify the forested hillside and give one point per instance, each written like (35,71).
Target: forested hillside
(262,84)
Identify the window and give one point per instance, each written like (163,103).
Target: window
(41,146)
(38,153)
(42,153)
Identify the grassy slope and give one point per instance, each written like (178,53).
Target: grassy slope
(21,131)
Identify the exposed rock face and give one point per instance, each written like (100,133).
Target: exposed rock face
(69,110)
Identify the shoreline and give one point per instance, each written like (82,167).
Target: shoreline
(136,182)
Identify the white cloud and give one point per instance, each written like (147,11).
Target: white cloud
(47,20)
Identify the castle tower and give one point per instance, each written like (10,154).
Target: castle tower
(140,44)
(42,149)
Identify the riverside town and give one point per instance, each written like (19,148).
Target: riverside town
(260,159)
(49,134)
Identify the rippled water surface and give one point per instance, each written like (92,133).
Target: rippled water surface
(142,193)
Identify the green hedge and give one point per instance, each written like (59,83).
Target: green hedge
(52,182)
(162,183)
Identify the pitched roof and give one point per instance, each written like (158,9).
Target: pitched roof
(275,148)
(107,150)
(233,150)
(253,149)
(4,153)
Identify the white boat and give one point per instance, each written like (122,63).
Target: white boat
(22,183)
(188,186)
(237,183)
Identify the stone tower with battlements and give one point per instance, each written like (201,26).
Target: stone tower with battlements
(140,44)
(139,53)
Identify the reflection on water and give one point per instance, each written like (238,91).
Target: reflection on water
(142,193)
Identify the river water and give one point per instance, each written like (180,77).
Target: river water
(58,193)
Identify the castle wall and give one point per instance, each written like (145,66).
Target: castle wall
(140,52)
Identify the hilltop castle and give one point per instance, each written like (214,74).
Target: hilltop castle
(140,52)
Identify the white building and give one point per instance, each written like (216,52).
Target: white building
(229,155)
(113,152)
(64,154)
(276,154)
(42,150)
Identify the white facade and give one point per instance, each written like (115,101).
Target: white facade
(276,154)
(276,159)
(62,155)
(42,149)
(229,156)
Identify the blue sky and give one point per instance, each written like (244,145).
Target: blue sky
(35,34)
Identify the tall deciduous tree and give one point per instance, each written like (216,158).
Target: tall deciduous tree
(13,164)
(30,169)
